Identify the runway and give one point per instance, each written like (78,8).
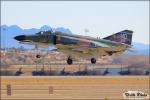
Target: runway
(72,87)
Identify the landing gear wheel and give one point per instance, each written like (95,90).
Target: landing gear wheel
(93,60)
(38,56)
(69,61)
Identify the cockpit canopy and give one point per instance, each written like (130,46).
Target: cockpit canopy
(44,33)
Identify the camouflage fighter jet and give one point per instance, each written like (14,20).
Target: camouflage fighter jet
(81,46)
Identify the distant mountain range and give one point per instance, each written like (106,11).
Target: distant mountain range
(138,48)
(9,32)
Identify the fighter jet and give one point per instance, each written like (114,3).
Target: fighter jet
(81,46)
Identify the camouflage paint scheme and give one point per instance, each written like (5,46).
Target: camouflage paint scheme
(81,46)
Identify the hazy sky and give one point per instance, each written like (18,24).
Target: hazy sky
(102,18)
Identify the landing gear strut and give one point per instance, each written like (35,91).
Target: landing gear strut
(93,60)
(69,60)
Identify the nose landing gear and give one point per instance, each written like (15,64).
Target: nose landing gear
(69,61)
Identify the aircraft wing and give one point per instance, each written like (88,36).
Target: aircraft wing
(84,51)
(81,46)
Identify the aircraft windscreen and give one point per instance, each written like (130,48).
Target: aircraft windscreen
(44,33)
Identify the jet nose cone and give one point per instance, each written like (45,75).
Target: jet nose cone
(20,37)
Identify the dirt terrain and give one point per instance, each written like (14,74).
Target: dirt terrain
(72,87)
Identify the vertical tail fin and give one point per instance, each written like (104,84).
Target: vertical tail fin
(124,36)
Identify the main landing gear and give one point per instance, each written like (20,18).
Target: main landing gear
(70,60)
(93,60)
(38,56)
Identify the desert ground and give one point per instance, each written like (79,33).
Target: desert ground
(28,87)
(71,87)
